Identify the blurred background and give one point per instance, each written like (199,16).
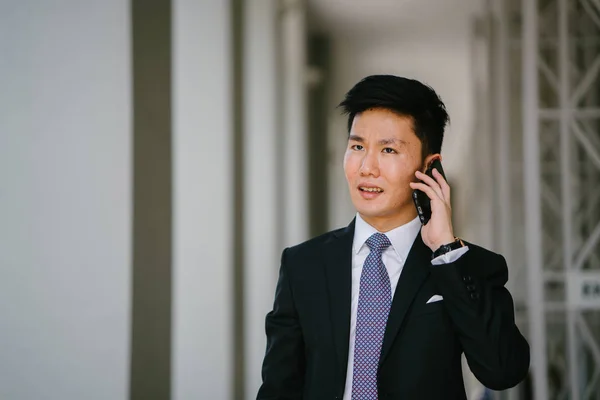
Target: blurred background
(157,156)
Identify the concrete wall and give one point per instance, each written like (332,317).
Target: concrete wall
(263,244)
(65,199)
(202,201)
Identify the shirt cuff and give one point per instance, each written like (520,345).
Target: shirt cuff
(450,256)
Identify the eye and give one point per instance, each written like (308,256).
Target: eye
(357,147)
(389,150)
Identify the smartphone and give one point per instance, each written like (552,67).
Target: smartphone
(422,201)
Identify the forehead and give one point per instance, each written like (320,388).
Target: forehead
(379,121)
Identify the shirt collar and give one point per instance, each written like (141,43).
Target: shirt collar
(402,237)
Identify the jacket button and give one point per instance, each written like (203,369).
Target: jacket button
(474,296)
(471,288)
(467,279)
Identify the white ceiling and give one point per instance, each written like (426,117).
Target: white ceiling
(363,16)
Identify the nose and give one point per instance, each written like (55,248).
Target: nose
(369,165)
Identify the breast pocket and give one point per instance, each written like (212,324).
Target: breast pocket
(427,309)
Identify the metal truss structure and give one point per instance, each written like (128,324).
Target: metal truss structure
(548,101)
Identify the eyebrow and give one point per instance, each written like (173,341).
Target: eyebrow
(382,142)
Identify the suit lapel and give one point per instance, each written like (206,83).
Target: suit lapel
(339,283)
(413,275)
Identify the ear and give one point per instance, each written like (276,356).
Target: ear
(429,159)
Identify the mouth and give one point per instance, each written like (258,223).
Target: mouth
(370,192)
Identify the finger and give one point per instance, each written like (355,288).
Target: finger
(430,182)
(443,184)
(428,190)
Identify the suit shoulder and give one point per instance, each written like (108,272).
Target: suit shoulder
(488,262)
(314,245)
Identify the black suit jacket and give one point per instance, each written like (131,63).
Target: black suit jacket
(308,329)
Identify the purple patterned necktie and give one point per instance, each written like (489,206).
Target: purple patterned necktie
(374,302)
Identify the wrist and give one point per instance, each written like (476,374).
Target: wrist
(443,241)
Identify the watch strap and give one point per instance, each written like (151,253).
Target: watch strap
(446,248)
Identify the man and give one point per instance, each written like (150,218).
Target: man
(385,307)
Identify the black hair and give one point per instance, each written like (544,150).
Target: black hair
(406,97)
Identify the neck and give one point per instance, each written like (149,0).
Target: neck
(388,222)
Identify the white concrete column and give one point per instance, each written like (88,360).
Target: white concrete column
(343,77)
(202,201)
(261,243)
(294,144)
(65,199)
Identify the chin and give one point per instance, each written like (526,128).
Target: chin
(372,212)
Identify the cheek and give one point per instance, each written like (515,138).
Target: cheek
(399,172)
(350,164)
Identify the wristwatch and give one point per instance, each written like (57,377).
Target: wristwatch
(446,248)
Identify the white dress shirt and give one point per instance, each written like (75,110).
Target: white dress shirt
(393,258)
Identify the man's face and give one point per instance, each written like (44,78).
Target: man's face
(382,156)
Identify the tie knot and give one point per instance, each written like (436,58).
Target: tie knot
(378,242)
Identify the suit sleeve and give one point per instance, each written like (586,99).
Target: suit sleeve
(284,364)
(482,312)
